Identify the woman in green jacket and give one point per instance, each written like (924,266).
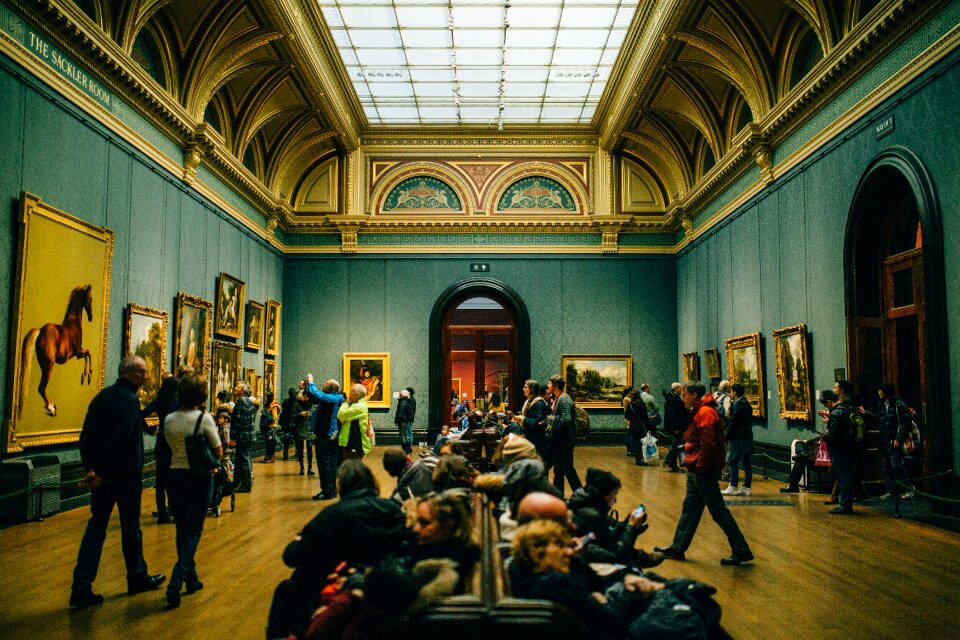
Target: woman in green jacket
(356,436)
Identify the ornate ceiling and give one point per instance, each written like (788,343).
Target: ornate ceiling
(257,90)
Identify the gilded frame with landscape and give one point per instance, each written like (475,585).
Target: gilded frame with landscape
(597,380)
(145,335)
(745,365)
(793,373)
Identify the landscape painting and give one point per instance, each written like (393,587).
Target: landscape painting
(745,365)
(146,336)
(597,380)
(793,373)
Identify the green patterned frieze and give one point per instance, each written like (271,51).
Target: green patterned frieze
(422,194)
(646,239)
(477,239)
(313,239)
(536,193)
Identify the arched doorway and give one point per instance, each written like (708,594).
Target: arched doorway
(479,345)
(896,297)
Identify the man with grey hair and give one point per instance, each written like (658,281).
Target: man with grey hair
(111,449)
(356,435)
(675,419)
(325,427)
(243,424)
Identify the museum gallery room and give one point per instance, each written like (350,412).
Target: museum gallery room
(729,226)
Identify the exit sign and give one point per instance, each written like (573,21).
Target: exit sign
(479,267)
(885,127)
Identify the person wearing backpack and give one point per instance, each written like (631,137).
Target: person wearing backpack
(739,442)
(841,444)
(561,435)
(895,422)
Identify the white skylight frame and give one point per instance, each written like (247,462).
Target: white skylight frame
(478,61)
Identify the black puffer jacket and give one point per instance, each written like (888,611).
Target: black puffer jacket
(591,513)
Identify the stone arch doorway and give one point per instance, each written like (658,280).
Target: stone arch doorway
(896,297)
(479,327)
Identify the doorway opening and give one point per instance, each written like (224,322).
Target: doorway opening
(479,350)
(896,299)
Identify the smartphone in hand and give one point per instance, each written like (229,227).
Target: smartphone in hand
(584,541)
(638,511)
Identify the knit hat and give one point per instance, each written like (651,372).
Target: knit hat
(515,446)
(603,481)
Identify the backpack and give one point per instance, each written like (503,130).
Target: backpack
(581,423)
(721,410)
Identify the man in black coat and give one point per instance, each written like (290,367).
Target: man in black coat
(111,448)
(675,420)
(840,443)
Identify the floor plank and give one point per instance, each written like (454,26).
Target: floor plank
(817,575)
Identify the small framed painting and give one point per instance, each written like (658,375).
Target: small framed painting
(271,344)
(194,322)
(597,380)
(745,365)
(230,294)
(372,370)
(226,368)
(270,377)
(145,335)
(254,327)
(691,366)
(711,359)
(793,373)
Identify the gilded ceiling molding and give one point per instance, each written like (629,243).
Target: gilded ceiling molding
(822,17)
(666,166)
(131,19)
(294,153)
(402,171)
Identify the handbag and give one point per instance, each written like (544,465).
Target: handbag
(200,455)
(654,419)
(823,455)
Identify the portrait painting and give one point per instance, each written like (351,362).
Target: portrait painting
(254,326)
(225,367)
(145,335)
(271,335)
(745,365)
(250,377)
(793,373)
(194,322)
(61,300)
(270,378)
(597,380)
(711,359)
(230,294)
(691,366)
(372,370)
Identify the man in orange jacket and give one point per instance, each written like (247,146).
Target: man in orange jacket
(704,458)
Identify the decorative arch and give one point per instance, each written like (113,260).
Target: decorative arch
(397,191)
(454,295)
(559,191)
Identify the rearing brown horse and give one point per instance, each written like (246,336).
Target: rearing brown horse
(55,344)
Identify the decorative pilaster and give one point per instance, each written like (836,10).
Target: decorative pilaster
(199,145)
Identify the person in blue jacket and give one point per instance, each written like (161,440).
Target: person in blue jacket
(325,426)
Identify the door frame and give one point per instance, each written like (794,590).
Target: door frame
(938,448)
(455,294)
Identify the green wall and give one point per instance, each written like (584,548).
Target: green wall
(590,304)
(778,260)
(167,237)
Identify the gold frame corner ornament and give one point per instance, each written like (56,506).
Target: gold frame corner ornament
(805,386)
(755,340)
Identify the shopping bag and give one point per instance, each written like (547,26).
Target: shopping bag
(823,455)
(650,451)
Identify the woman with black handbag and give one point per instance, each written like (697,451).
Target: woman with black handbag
(196,450)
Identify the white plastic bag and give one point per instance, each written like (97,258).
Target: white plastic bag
(650,451)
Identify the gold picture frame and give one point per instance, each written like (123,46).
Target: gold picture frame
(793,373)
(254,326)
(225,368)
(372,370)
(271,334)
(194,330)
(597,381)
(691,366)
(231,291)
(745,365)
(711,361)
(145,335)
(62,262)
(270,378)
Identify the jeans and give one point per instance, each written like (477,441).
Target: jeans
(563,466)
(123,491)
(703,490)
(891,459)
(189,493)
(243,471)
(328,455)
(302,444)
(269,442)
(670,458)
(406,435)
(737,451)
(162,453)
(842,463)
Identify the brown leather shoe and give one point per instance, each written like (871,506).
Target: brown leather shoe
(648,559)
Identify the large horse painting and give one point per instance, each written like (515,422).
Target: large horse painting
(62,300)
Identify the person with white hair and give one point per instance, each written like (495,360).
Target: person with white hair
(356,435)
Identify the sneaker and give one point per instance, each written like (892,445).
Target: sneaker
(731,491)
(744,491)
(737,558)
(887,496)
(906,495)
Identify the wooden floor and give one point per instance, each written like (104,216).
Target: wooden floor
(816,575)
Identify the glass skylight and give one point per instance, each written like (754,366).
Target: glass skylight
(490,62)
